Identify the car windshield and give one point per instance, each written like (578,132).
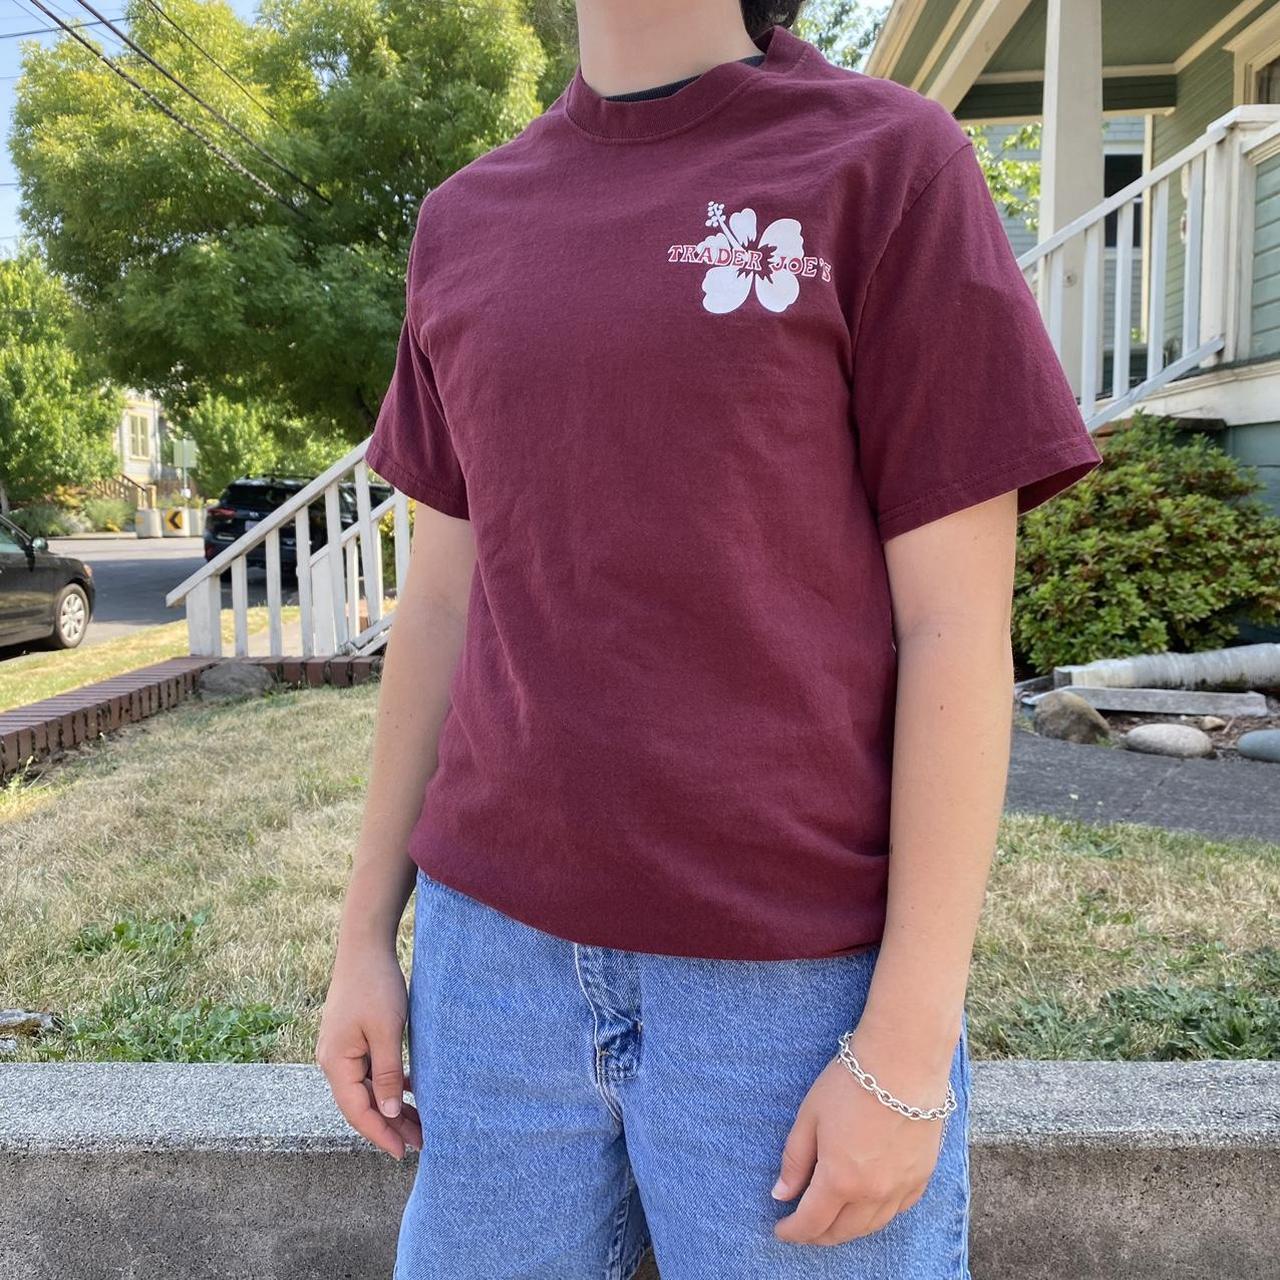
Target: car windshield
(258,497)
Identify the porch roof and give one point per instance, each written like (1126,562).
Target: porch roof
(985,58)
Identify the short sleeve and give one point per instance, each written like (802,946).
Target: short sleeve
(411,445)
(958,394)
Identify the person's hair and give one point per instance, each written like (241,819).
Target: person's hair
(758,15)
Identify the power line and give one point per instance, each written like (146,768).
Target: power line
(230,75)
(225,156)
(213,111)
(39,31)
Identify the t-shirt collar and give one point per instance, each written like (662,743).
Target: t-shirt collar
(645,119)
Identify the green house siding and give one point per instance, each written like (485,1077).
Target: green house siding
(1258,445)
(1205,90)
(1265,339)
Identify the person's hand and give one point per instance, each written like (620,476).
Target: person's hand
(858,1162)
(359,1048)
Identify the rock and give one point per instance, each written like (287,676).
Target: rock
(8,1048)
(1260,744)
(18,1022)
(1183,740)
(1212,722)
(234,679)
(1068,716)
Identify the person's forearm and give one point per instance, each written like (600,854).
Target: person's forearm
(950,766)
(422,652)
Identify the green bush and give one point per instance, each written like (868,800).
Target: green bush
(45,519)
(1162,548)
(108,515)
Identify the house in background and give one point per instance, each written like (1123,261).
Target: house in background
(1199,227)
(140,440)
(143,446)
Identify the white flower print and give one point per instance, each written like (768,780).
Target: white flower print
(726,287)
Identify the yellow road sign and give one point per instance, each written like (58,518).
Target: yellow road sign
(175,518)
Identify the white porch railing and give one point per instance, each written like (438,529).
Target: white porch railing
(334,578)
(1066,271)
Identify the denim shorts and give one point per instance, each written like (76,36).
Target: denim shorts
(581,1102)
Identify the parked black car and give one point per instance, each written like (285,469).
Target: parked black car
(251,498)
(43,595)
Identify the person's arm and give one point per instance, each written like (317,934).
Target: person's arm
(952,584)
(360,1045)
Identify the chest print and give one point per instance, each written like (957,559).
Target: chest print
(737,258)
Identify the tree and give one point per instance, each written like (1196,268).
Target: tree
(195,281)
(57,415)
(845,30)
(234,439)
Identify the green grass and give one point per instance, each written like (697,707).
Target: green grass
(172,893)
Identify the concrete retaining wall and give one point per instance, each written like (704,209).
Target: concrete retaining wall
(1146,1171)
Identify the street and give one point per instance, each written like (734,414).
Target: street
(132,576)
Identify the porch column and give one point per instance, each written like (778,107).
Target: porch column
(1071,148)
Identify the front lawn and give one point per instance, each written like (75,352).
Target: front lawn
(43,673)
(173,892)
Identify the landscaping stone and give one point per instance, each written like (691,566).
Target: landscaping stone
(1260,744)
(1068,716)
(1212,722)
(234,679)
(19,1022)
(1182,740)
(8,1047)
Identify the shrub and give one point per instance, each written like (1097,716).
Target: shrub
(110,515)
(1162,548)
(45,519)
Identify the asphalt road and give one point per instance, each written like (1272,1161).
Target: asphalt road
(133,575)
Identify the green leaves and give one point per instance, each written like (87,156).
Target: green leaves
(1162,547)
(57,417)
(194,282)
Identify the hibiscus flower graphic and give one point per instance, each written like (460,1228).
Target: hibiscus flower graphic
(725,287)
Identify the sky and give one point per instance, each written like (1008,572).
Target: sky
(16,16)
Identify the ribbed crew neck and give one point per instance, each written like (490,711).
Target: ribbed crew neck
(640,120)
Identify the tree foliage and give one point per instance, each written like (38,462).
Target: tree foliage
(57,415)
(194,281)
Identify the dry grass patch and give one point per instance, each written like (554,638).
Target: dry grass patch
(173,892)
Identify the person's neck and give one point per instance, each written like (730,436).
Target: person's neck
(625,45)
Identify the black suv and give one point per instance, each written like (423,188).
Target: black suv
(251,498)
(43,595)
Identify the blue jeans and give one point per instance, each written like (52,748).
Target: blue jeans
(580,1101)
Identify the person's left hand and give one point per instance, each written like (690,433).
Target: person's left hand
(858,1162)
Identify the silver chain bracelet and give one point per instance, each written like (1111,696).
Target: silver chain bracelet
(868,1081)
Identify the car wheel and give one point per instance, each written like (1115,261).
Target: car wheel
(70,617)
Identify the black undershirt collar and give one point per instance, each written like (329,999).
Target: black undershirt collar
(662,90)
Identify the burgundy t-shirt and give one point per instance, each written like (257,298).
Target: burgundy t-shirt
(685,363)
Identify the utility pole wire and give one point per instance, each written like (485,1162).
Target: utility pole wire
(39,31)
(225,156)
(230,75)
(213,111)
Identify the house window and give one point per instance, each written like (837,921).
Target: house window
(1119,170)
(1266,87)
(139,435)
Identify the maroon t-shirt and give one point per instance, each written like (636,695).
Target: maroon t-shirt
(685,363)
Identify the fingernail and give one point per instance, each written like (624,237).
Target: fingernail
(779,1191)
(390,1107)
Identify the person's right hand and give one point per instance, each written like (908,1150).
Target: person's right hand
(359,1048)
